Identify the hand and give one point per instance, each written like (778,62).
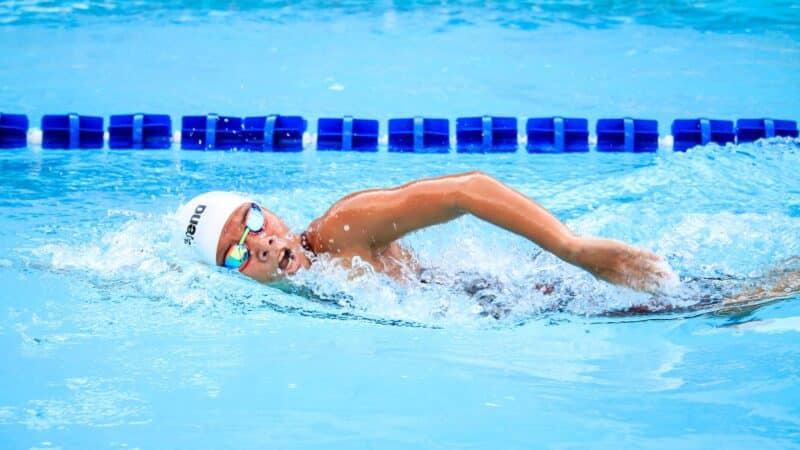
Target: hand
(623,264)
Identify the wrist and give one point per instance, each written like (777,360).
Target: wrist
(572,249)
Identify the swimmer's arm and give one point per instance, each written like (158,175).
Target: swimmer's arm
(779,283)
(378,217)
(607,259)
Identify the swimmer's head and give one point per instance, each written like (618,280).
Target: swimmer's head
(213,224)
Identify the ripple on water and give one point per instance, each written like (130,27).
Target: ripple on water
(720,233)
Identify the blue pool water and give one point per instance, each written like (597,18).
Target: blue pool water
(112,339)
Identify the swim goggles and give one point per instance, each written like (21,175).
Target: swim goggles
(239,255)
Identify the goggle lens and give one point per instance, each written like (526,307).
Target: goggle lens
(238,254)
(255,219)
(237,257)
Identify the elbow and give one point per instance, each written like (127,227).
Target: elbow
(474,180)
(475,174)
(465,188)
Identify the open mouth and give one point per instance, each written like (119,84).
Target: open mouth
(286,258)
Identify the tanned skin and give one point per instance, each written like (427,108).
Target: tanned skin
(368,224)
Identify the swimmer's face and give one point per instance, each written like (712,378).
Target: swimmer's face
(274,251)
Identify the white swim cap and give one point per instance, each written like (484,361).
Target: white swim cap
(202,219)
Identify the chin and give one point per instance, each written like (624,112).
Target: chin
(265,278)
(275,279)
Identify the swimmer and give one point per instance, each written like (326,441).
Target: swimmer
(232,231)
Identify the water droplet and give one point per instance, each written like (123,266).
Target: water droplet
(346,227)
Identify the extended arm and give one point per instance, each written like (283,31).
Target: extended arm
(377,217)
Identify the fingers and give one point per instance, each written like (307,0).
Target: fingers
(634,267)
(647,272)
(664,278)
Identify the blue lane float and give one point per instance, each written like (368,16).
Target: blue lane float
(347,134)
(627,135)
(688,133)
(274,133)
(419,135)
(482,134)
(72,131)
(211,132)
(486,134)
(749,130)
(140,131)
(557,135)
(13,130)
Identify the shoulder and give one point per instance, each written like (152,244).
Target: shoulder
(335,232)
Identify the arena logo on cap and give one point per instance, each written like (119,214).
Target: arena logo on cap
(192,227)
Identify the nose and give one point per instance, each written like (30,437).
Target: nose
(262,246)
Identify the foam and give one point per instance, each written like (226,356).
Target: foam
(708,230)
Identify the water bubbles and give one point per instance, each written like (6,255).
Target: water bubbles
(717,215)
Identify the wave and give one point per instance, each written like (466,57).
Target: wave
(723,217)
